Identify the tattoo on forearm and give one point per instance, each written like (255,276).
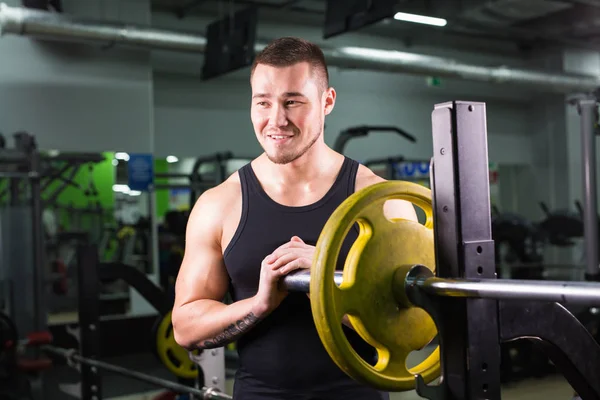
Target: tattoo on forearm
(231,333)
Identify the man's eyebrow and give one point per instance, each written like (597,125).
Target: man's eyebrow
(293,94)
(286,94)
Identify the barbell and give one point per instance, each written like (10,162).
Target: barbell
(390,261)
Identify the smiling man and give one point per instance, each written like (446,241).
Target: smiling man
(262,223)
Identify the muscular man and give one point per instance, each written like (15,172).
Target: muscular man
(261,224)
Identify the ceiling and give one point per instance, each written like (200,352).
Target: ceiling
(522,24)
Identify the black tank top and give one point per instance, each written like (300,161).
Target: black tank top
(284,350)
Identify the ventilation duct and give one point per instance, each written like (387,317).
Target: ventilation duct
(54,26)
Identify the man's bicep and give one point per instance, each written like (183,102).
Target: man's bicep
(202,274)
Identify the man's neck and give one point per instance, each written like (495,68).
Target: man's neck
(311,166)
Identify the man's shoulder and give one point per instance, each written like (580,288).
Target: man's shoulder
(229,189)
(365,178)
(220,198)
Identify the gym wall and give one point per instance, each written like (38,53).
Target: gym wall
(79,97)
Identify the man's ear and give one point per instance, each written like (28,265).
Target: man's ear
(329,100)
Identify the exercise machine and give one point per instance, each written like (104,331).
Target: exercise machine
(341,141)
(197,180)
(392,167)
(23,267)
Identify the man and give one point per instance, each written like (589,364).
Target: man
(262,223)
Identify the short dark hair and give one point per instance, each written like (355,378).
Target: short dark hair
(287,51)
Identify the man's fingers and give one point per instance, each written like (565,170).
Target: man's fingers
(297,239)
(283,249)
(294,243)
(283,260)
(299,263)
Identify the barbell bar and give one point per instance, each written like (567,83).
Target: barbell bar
(564,292)
(72,358)
(418,277)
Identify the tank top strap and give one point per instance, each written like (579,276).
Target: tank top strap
(351,175)
(246,187)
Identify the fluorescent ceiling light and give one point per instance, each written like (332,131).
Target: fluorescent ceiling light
(125,190)
(172,159)
(121,188)
(389,55)
(420,19)
(122,156)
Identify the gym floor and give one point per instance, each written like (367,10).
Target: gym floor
(553,387)
(117,387)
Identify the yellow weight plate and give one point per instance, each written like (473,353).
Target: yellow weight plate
(172,355)
(366,293)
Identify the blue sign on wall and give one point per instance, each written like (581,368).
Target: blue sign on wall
(140,171)
(412,169)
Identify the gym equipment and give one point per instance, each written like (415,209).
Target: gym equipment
(77,361)
(13,375)
(524,238)
(391,168)
(401,253)
(31,240)
(587,108)
(382,246)
(473,311)
(361,131)
(561,226)
(207,368)
(519,254)
(17,370)
(24,263)
(197,181)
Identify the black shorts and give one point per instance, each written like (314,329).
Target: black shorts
(246,390)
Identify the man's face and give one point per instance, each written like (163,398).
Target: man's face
(288,109)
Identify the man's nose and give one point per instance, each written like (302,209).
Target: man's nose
(278,116)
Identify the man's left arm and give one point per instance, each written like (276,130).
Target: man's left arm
(392,209)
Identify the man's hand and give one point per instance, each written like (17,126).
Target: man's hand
(294,255)
(291,256)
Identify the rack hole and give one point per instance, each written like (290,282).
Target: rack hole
(484,367)
(479,249)
(480,270)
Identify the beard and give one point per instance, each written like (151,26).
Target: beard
(286,156)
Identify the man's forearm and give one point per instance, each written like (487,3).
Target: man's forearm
(231,333)
(206,324)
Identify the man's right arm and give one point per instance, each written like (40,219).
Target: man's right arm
(200,318)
